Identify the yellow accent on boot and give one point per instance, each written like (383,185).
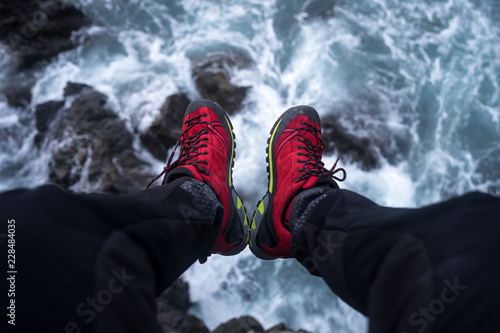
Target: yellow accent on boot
(270,155)
(261,207)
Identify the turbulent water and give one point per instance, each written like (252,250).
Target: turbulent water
(420,77)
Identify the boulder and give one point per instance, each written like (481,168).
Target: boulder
(45,114)
(92,148)
(17,95)
(320,9)
(176,296)
(281,328)
(277,328)
(37,30)
(337,139)
(166,129)
(172,307)
(73,88)
(212,76)
(245,324)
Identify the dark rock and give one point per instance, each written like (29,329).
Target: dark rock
(320,8)
(277,328)
(173,320)
(192,324)
(102,47)
(360,130)
(95,148)
(37,30)
(337,139)
(212,78)
(245,324)
(17,95)
(172,306)
(176,296)
(281,328)
(44,115)
(72,88)
(166,129)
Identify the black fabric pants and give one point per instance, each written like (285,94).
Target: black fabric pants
(432,269)
(95,262)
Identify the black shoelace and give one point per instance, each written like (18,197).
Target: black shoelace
(189,150)
(313,166)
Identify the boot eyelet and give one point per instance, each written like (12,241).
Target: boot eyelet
(204,115)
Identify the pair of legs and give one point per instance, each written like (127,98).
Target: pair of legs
(95,262)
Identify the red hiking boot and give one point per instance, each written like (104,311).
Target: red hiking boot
(294,154)
(207,153)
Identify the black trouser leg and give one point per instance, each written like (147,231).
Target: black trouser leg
(432,269)
(96,262)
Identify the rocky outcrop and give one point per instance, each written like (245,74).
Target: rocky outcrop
(45,114)
(17,95)
(166,129)
(212,76)
(336,139)
(91,147)
(248,324)
(37,30)
(243,324)
(359,131)
(319,8)
(173,305)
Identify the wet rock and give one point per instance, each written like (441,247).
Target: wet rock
(336,139)
(45,114)
(93,148)
(166,129)
(176,296)
(172,320)
(363,130)
(320,8)
(172,307)
(245,324)
(212,77)
(37,30)
(277,328)
(17,95)
(281,328)
(72,88)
